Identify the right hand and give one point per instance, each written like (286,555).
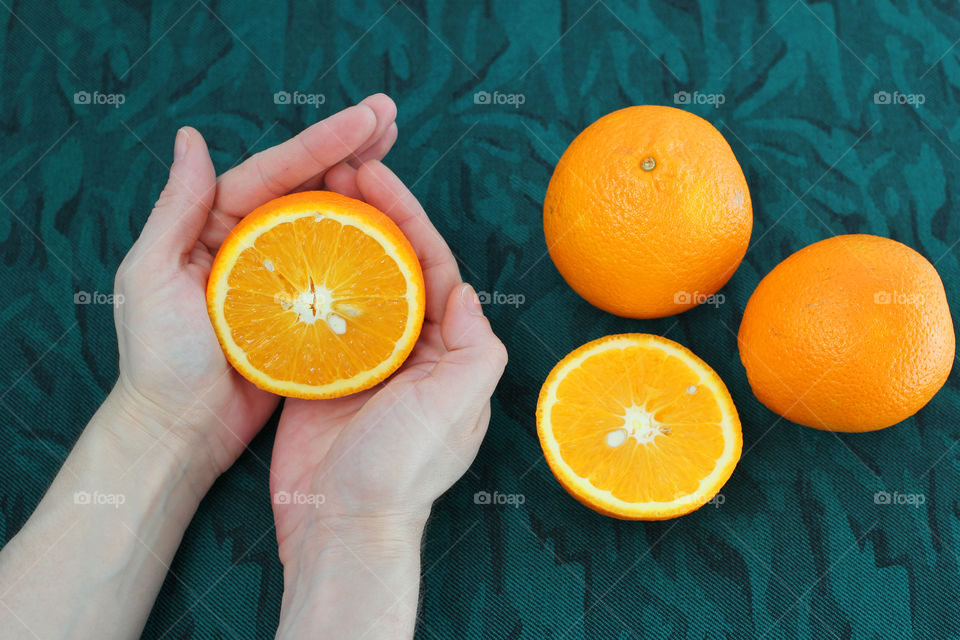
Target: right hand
(381,457)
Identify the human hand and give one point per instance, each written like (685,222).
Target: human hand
(380,458)
(174,380)
(102,573)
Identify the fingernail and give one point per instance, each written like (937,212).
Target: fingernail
(180,146)
(470,300)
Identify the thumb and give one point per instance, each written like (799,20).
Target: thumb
(181,211)
(475,357)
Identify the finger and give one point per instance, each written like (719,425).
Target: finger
(384,190)
(377,151)
(386,111)
(180,213)
(343,179)
(475,359)
(278,170)
(379,146)
(376,146)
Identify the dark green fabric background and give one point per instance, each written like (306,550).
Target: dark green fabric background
(798,548)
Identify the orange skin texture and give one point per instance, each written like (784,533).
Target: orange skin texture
(633,242)
(852,333)
(263,216)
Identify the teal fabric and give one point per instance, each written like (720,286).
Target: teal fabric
(844,118)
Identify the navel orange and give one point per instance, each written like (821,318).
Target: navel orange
(316,295)
(648,212)
(637,427)
(852,333)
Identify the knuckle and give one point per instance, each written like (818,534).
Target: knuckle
(167,197)
(497,354)
(270,180)
(123,274)
(314,152)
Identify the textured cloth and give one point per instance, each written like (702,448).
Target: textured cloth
(843,116)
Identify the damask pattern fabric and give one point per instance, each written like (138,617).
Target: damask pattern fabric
(844,118)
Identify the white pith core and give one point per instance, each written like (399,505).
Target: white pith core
(639,424)
(316,303)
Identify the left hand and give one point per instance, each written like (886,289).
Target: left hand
(175,382)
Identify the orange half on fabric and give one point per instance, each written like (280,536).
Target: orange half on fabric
(637,427)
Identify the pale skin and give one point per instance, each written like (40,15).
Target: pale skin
(179,416)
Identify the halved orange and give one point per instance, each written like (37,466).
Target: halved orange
(637,427)
(316,295)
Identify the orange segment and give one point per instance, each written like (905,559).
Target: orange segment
(637,427)
(316,295)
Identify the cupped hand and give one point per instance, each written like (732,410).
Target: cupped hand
(174,380)
(377,460)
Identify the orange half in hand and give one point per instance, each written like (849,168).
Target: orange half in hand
(637,427)
(316,295)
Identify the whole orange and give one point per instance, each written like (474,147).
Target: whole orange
(647,213)
(852,333)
